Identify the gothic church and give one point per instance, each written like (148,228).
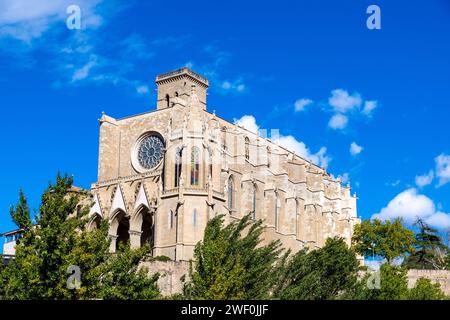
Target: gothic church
(163,174)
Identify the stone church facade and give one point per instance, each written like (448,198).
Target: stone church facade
(163,174)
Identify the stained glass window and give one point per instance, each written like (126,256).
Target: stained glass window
(195,166)
(247,148)
(230,192)
(254,204)
(150,151)
(177,167)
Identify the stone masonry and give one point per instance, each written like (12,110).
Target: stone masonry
(207,166)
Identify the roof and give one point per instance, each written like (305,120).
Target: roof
(181,72)
(8,233)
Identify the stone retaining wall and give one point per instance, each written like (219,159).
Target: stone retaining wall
(171,271)
(437,276)
(169,282)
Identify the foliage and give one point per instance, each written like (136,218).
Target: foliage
(386,239)
(430,249)
(59,240)
(230,262)
(393,285)
(120,277)
(161,258)
(426,290)
(20,214)
(320,274)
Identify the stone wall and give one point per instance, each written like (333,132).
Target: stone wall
(171,272)
(438,276)
(169,282)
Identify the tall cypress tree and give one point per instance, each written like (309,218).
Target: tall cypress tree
(230,262)
(325,273)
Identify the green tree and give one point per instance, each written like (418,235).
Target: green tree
(386,239)
(394,284)
(430,250)
(121,277)
(389,283)
(325,273)
(426,290)
(230,262)
(59,240)
(20,214)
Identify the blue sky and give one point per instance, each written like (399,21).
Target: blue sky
(372,105)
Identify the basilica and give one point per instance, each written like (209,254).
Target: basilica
(164,173)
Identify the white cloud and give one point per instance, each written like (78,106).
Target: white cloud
(345,105)
(424,180)
(135,47)
(342,101)
(338,121)
(300,104)
(189,64)
(289,142)
(369,106)
(248,122)
(27,20)
(240,87)
(443,169)
(83,72)
(142,89)
(393,183)
(212,67)
(236,86)
(345,178)
(409,205)
(439,219)
(355,149)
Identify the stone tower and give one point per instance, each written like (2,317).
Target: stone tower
(178,84)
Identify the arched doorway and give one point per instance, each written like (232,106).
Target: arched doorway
(94,222)
(143,228)
(147,228)
(119,230)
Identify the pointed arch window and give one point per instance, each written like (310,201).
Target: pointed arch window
(224,138)
(194,218)
(167,100)
(276,210)
(247,148)
(170,219)
(254,203)
(230,192)
(195,166)
(210,164)
(177,167)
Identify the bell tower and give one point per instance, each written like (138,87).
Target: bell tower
(176,87)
